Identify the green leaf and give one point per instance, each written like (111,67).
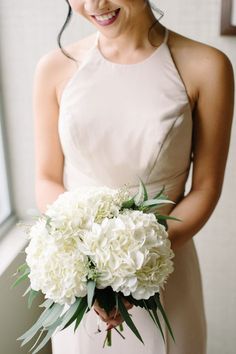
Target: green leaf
(91,284)
(28,335)
(160,194)
(21,278)
(37,340)
(141,196)
(32,295)
(158,322)
(69,314)
(166,217)
(73,318)
(128,204)
(151,307)
(164,223)
(82,308)
(145,193)
(47,303)
(48,336)
(55,313)
(124,313)
(156,202)
(148,310)
(159,305)
(27,291)
(22,267)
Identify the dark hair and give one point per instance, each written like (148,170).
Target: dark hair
(65,24)
(155,9)
(69,16)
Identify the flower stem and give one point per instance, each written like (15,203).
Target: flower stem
(107,340)
(119,332)
(121,327)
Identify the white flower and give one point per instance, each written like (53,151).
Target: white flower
(132,253)
(57,266)
(128,249)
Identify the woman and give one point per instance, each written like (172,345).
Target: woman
(137,99)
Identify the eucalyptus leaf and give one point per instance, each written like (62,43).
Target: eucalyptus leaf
(48,336)
(55,313)
(32,295)
(47,303)
(21,278)
(27,291)
(22,267)
(91,284)
(28,335)
(124,313)
(37,340)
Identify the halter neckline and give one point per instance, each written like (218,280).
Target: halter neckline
(164,42)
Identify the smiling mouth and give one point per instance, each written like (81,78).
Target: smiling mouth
(106,19)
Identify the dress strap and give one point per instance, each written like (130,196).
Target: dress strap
(96,39)
(166,35)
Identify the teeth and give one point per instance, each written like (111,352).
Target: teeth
(105,17)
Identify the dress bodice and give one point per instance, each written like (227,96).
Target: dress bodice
(118,122)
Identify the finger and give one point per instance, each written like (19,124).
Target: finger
(114,323)
(127,304)
(112,314)
(101,312)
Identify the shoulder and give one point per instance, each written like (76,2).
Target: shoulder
(203,62)
(55,67)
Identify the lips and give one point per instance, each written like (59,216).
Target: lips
(107,18)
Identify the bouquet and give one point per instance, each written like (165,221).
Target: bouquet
(97,243)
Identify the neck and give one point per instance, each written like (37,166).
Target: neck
(136,36)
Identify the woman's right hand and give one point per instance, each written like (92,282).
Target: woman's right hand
(114,318)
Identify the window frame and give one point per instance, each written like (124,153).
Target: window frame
(10,218)
(227,27)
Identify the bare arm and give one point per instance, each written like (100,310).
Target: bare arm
(212,127)
(49,157)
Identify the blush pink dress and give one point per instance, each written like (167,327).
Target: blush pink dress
(118,122)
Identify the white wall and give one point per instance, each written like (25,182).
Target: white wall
(27,30)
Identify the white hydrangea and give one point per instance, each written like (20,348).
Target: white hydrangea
(132,253)
(86,205)
(57,266)
(129,249)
